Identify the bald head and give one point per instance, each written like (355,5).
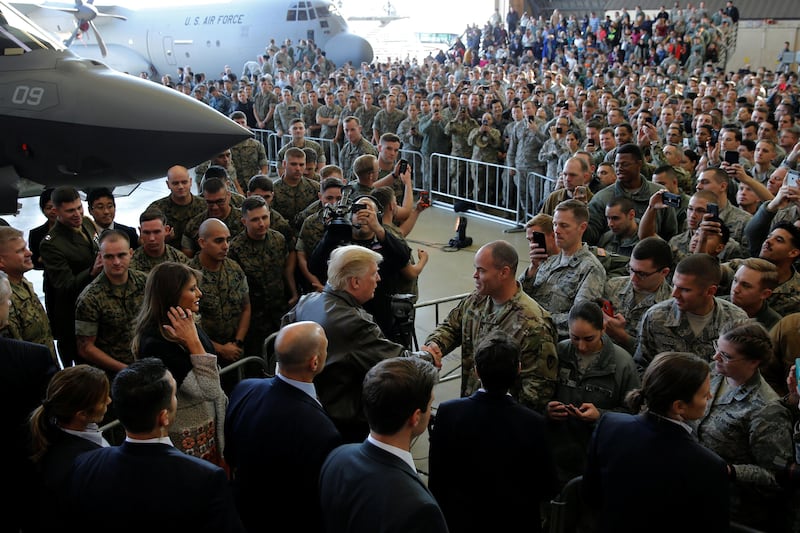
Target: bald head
(177,171)
(210,226)
(301,348)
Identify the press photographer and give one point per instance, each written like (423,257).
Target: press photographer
(359,223)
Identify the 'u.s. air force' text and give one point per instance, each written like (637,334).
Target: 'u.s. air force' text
(214,19)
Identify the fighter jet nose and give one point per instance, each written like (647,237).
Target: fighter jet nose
(348,47)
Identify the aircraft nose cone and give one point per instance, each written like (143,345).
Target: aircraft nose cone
(348,47)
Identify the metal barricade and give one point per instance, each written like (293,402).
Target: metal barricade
(415,159)
(329,148)
(486,186)
(271,143)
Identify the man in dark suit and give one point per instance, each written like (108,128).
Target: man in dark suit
(145,484)
(374,486)
(277,429)
(25,371)
(103,208)
(488,452)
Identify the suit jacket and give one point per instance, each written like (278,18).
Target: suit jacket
(365,489)
(25,371)
(274,430)
(132,234)
(149,487)
(487,448)
(647,473)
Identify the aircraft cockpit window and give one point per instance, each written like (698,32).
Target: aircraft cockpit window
(323,11)
(291,15)
(311,13)
(302,14)
(18,36)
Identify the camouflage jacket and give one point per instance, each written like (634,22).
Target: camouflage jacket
(619,291)
(27,319)
(523,319)
(178,215)
(225,295)
(145,263)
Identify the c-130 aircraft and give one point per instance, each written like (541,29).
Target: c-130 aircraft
(73,121)
(206,35)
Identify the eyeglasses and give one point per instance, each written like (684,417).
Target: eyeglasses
(728,358)
(640,273)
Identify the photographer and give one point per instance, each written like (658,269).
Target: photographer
(360,223)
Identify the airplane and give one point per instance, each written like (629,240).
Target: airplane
(206,36)
(68,120)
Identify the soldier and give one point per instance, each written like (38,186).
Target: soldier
(753,283)
(293,191)
(263,255)
(458,129)
(366,112)
(285,112)
(354,146)
(622,234)
(408,130)
(27,319)
(154,250)
(103,209)
(309,113)
(365,168)
(220,205)
(180,205)
(434,141)
(387,120)
(499,302)
(71,261)
(328,119)
(523,154)
(225,306)
(264,187)
(106,309)
(297,129)
(486,142)
(248,157)
(632,295)
(224,160)
(264,104)
(667,327)
(574,273)
(311,232)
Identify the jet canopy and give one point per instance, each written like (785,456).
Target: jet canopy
(18,35)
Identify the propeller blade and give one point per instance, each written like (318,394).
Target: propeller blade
(68,42)
(120,17)
(100,42)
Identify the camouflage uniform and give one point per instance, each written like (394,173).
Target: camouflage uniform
(520,317)
(666,221)
(410,141)
(614,264)
(309,114)
(485,178)
(307,143)
(27,319)
(144,263)
(350,152)
(458,130)
(523,154)
(279,223)
(311,233)
(329,132)
(749,428)
(367,118)
(264,264)
(679,244)
(248,157)
(614,244)
(263,101)
(284,114)
(736,219)
(233,221)
(290,200)
(434,141)
(665,328)
(558,285)
(233,177)
(178,215)
(386,122)
(359,188)
(620,292)
(225,293)
(108,313)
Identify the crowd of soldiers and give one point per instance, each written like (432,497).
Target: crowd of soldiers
(654,170)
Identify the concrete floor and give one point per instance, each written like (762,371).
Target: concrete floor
(449,271)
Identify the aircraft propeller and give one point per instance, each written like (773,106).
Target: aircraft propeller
(85,13)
